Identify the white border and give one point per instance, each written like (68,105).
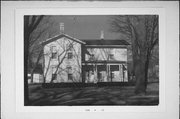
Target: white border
(170,70)
(85,11)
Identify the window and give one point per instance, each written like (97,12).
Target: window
(69,47)
(53,49)
(111,56)
(70,77)
(114,67)
(70,55)
(54,55)
(91,58)
(54,76)
(69,69)
(54,52)
(99,75)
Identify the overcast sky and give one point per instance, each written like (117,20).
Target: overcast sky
(86,27)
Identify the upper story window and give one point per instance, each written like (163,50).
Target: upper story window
(92,57)
(54,55)
(111,56)
(70,55)
(54,52)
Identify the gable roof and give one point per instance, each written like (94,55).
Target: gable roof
(60,36)
(106,42)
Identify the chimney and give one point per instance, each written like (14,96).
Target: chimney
(102,35)
(61,27)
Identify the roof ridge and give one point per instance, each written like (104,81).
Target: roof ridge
(56,37)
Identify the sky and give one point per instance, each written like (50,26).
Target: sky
(85,26)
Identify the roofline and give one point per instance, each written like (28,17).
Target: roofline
(105,61)
(75,39)
(60,36)
(85,40)
(106,46)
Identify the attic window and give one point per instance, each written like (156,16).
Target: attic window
(53,49)
(69,47)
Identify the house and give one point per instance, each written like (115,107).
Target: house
(67,59)
(62,59)
(105,61)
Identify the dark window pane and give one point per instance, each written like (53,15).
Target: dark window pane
(114,67)
(91,57)
(54,76)
(101,68)
(111,56)
(70,77)
(54,55)
(70,55)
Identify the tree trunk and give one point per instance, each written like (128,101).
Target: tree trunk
(26,53)
(146,72)
(140,80)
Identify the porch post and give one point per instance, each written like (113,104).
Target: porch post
(120,72)
(110,72)
(95,73)
(123,71)
(107,71)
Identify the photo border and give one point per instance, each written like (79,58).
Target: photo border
(87,11)
(9,41)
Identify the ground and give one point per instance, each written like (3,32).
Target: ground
(116,95)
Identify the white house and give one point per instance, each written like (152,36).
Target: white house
(106,60)
(62,59)
(67,59)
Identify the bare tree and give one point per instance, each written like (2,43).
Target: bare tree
(142,31)
(36,28)
(30,24)
(43,31)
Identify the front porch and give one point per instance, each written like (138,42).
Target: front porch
(110,72)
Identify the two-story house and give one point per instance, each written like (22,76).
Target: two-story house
(62,59)
(67,59)
(104,61)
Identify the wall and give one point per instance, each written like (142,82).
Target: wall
(120,54)
(50,65)
(102,54)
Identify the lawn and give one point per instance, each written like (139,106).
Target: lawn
(111,95)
